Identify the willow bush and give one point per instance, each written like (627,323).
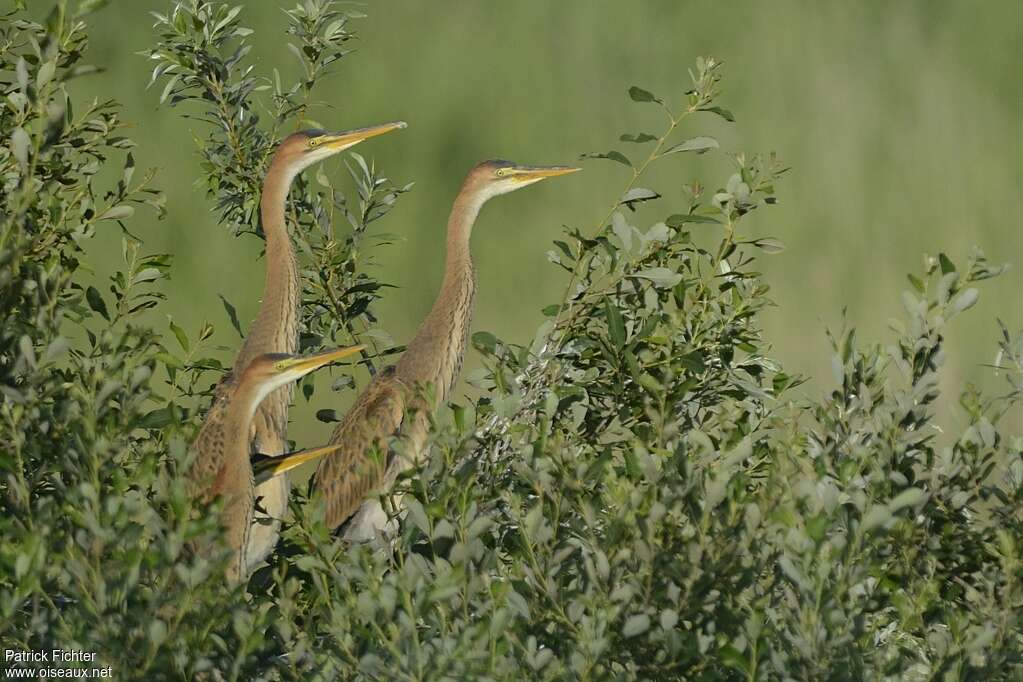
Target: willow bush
(637,492)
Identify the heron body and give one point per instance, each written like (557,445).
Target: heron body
(275,329)
(222,465)
(402,398)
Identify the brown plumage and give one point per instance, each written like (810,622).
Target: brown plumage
(395,399)
(275,329)
(222,466)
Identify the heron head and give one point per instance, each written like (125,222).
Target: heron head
(271,371)
(498,176)
(300,150)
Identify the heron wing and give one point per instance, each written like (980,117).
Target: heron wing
(347,476)
(207,471)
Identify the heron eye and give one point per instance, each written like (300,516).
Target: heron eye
(315,142)
(501,172)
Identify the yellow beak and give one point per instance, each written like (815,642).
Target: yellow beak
(349,138)
(264,468)
(307,364)
(532,173)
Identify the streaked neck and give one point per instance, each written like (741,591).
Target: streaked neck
(435,354)
(275,329)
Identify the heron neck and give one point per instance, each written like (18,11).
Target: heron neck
(435,354)
(458,260)
(275,329)
(237,424)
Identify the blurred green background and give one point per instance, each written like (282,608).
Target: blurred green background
(901,121)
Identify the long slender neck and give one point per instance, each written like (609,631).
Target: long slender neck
(435,354)
(237,423)
(275,329)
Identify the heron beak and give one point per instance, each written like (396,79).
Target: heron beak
(350,138)
(534,173)
(264,468)
(304,365)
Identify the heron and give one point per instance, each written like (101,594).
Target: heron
(222,465)
(275,329)
(401,398)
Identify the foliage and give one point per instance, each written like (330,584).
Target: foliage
(636,494)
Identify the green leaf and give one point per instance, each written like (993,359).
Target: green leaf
(910,497)
(966,300)
(157,633)
(129,170)
(45,74)
(661,277)
(638,138)
(636,625)
(620,226)
(232,314)
(679,219)
(180,335)
(615,324)
(167,89)
(565,249)
(117,213)
(147,275)
(768,245)
(669,619)
(699,145)
(95,301)
(611,155)
(733,658)
(21,72)
(723,113)
(876,516)
(327,416)
(638,195)
(947,265)
(417,515)
(90,6)
(484,342)
(640,95)
(19,147)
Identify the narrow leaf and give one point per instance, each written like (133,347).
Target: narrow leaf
(121,212)
(723,113)
(615,324)
(180,335)
(679,219)
(232,314)
(19,146)
(611,155)
(638,138)
(768,245)
(95,301)
(693,144)
(637,195)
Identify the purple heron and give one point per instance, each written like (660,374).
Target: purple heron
(393,401)
(223,466)
(275,329)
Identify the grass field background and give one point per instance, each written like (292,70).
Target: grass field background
(901,122)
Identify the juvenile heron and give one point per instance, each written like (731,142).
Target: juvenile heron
(222,465)
(393,401)
(275,329)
